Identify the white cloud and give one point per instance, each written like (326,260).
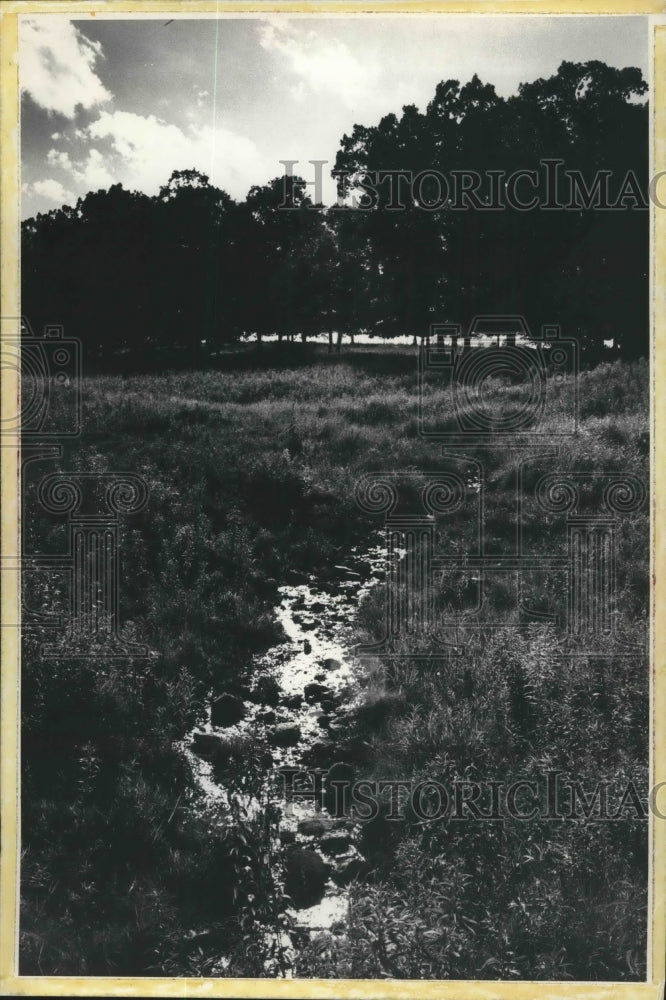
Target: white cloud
(58,66)
(141,152)
(92,172)
(145,150)
(53,190)
(299,91)
(322,65)
(56,158)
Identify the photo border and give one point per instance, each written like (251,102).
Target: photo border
(10,982)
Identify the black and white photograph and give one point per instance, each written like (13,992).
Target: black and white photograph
(335,452)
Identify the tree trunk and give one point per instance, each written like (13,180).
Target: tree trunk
(338,342)
(330,340)
(454,343)
(304,337)
(351,338)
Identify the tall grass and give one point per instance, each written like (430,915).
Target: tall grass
(251,473)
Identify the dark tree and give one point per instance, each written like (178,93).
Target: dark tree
(174,278)
(582,266)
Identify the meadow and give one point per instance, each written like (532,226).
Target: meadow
(127,870)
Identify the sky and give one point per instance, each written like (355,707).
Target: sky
(112,99)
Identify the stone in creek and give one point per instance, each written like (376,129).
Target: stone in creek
(306,875)
(337,788)
(329,704)
(314,692)
(295,576)
(320,753)
(285,734)
(292,700)
(380,836)
(211,747)
(287,836)
(267,691)
(356,869)
(324,721)
(266,717)
(307,646)
(307,626)
(335,843)
(331,664)
(227,710)
(317,607)
(315,827)
(320,677)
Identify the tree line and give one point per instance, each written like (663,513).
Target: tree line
(181,276)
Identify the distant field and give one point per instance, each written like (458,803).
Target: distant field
(252,475)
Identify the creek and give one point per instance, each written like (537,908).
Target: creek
(311,683)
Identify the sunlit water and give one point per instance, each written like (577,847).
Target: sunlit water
(317,618)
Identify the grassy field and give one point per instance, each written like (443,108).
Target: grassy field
(251,475)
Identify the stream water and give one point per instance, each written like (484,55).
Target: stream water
(317,685)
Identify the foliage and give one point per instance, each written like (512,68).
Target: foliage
(173,280)
(127,871)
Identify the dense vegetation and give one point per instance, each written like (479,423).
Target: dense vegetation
(126,869)
(251,455)
(155,282)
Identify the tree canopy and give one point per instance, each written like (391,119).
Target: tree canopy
(533,205)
